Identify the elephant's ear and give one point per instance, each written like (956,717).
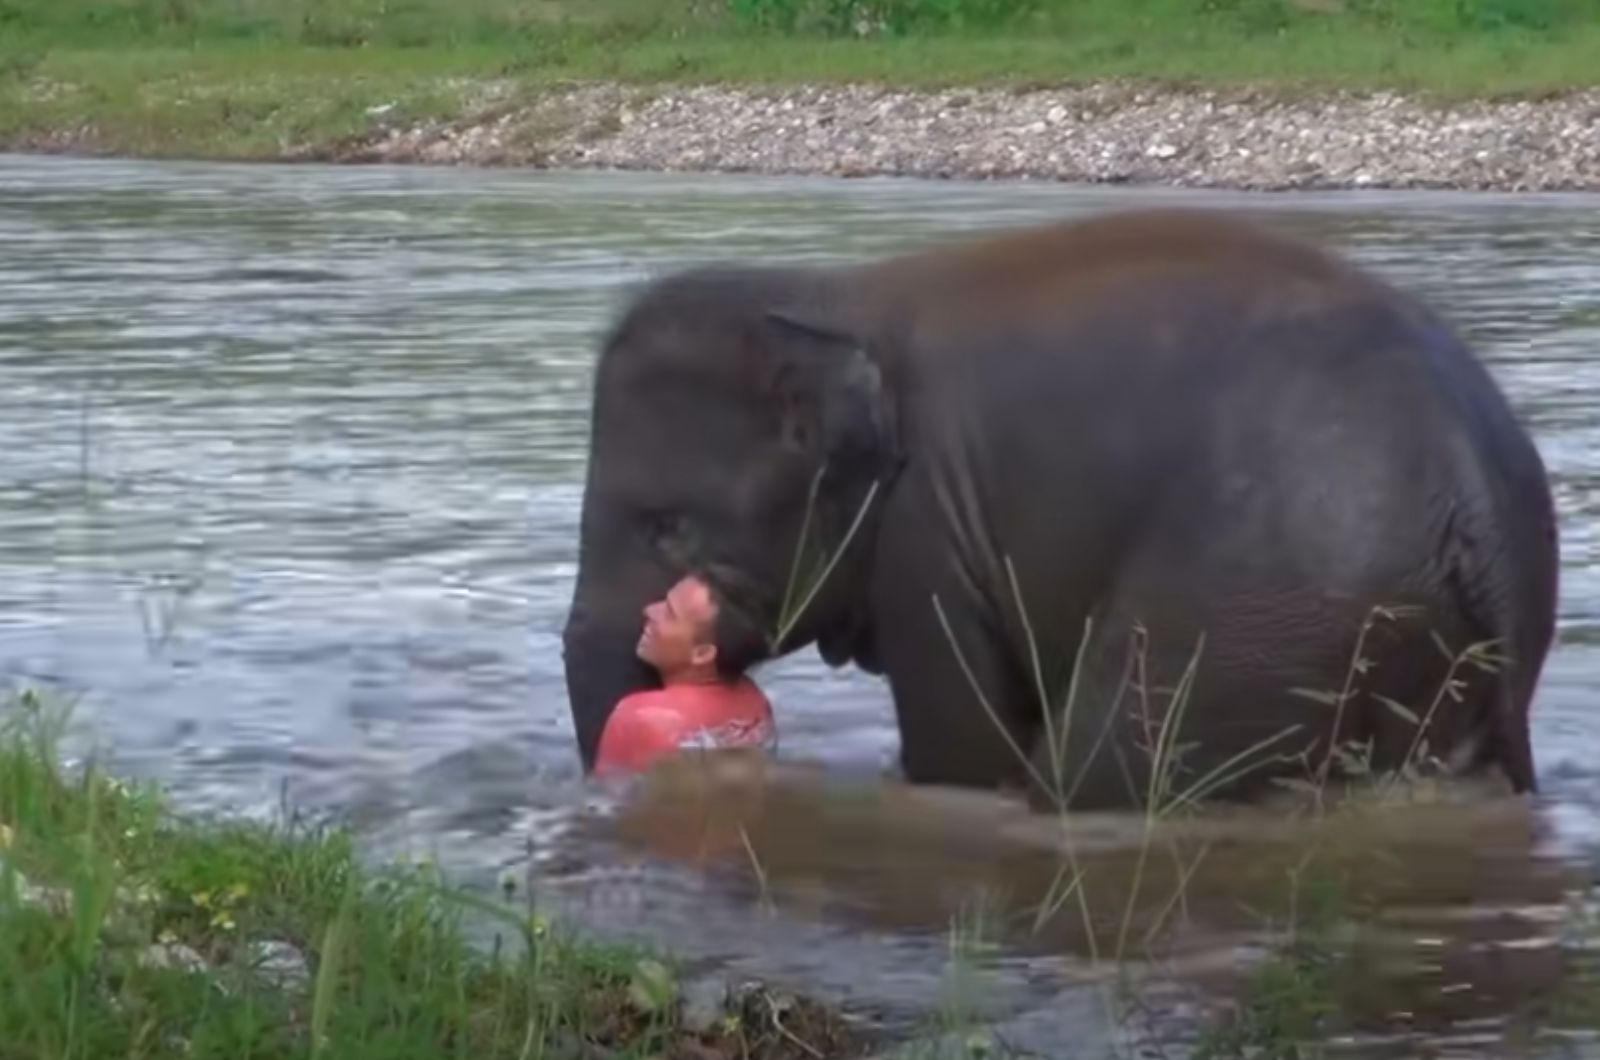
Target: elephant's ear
(830,392)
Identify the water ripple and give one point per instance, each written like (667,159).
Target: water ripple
(294,454)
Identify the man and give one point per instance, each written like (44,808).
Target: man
(705,701)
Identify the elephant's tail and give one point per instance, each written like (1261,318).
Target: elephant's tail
(1509,745)
(1521,625)
(1504,568)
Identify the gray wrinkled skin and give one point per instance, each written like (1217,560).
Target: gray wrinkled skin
(1086,456)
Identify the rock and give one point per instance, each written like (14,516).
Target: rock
(55,900)
(278,961)
(1090,133)
(1078,1015)
(172,955)
(975,1044)
(704,1003)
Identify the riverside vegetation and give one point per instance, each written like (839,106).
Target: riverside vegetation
(327,78)
(1314,877)
(129,930)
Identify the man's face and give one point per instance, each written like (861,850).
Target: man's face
(677,631)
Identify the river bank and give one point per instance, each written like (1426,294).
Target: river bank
(1112,132)
(1269,94)
(130,930)
(1105,132)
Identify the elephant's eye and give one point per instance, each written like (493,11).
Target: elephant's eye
(662,529)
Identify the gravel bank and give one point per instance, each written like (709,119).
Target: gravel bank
(1102,133)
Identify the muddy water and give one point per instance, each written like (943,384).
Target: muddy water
(289,502)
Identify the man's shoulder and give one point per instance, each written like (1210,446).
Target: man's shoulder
(642,726)
(643,700)
(697,715)
(656,710)
(747,691)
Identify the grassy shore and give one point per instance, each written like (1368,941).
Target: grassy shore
(127,931)
(249,79)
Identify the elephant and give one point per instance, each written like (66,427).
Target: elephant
(1153,502)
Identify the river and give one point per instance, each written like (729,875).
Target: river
(293,458)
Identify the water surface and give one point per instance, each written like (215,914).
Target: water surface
(293,462)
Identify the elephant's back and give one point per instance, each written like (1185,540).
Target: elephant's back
(1080,260)
(1189,363)
(1136,309)
(1160,311)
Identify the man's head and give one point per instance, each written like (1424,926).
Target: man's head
(692,634)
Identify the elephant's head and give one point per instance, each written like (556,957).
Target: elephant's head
(728,415)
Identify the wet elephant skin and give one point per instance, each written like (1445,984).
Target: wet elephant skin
(1153,504)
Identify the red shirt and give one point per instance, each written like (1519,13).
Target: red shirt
(645,726)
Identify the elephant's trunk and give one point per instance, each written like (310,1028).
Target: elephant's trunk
(601,668)
(615,580)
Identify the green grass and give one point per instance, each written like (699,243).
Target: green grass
(253,79)
(243,102)
(106,893)
(1318,899)
(1322,976)
(129,931)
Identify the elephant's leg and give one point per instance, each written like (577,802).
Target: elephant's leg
(964,717)
(1152,714)
(1256,698)
(1087,755)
